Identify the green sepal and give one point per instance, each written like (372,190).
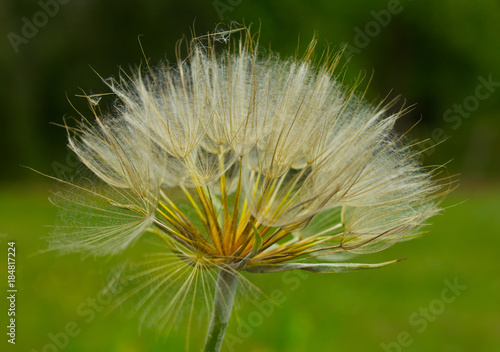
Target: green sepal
(327,268)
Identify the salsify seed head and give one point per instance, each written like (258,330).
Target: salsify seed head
(236,158)
(260,146)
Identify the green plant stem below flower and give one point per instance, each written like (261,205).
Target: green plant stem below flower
(225,291)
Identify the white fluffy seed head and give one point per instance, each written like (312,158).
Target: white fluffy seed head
(236,159)
(301,142)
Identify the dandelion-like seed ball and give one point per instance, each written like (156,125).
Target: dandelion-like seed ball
(238,160)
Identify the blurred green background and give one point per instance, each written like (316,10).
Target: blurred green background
(442,57)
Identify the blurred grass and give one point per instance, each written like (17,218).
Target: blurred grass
(345,312)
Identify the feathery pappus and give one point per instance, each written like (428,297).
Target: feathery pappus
(239,160)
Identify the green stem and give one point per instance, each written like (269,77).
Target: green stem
(225,290)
